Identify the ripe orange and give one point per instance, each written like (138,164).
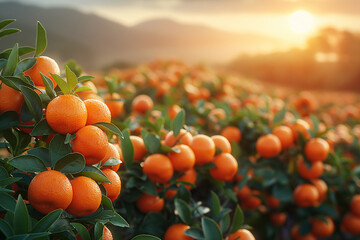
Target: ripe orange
(285,136)
(272,202)
(204,149)
(317,149)
(222,143)
(355,205)
(302,127)
(114,104)
(158,168)
(106,235)
(93,91)
(177,232)
(112,189)
(142,103)
(321,187)
(10,99)
(189,176)
(139,148)
(322,229)
(252,202)
(173,111)
(91,142)
(231,133)
(351,223)
(44,65)
(86,197)
(268,146)
(183,160)
(50,190)
(306,195)
(243,193)
(184,137)
(217,114)
(315,171)
(97,111)
(226,167)
(113,151)
(295,234)
(278,218)
(242,234)
(149,203)
(66,114)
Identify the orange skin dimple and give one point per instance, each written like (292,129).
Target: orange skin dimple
(158,168)
(44,65)
(226,167)
(112,189)
(66,114)
(10,99)
(177,232)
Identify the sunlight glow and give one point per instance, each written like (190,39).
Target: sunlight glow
(301,22)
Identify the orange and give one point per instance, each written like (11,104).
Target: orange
(351,223)
(44,65)
(217,114)
(231,133)
(139,148)
(306,195)
(189,176)
(177,232)
(355,205)
(268,146)
(113,151)
(295,234)
(315,171)
(322,229)
(302,127)
(252,202)
(204,149)
(285,136)
(183,160)
(226,167)
(241,234)
(142,103)
(50,190)
(66,114)
(317,149)
(278,218)
(106,235)
(184,137)
(222,143)
(10,99)
(93,90)
(86,197)
(243,193)
(321,187)
(161,89)
(272,202)
(91,142)
(149,203)
(114,104)
(173,111)
(112,189)
(305,103)
(97,111)
(158,168)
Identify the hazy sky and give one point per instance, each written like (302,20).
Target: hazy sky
(267,17)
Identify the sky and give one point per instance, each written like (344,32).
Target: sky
(264,17)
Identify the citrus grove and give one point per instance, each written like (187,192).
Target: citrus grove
(169,151)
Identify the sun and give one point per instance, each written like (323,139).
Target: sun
(301,22)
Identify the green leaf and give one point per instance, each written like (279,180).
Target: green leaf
(7,202)
(6,22)
(211,229)
(195,233)
(12,61)
(112,162)
(167,149)
(178,122)
(41,41)
(3,173)
(49,86)
(98,231)
(282,192)
(109,216)
(46,222)
(225,223)
(304,228)
(127,149)
(8,31)
(215,204)
(85,78)
(21,217)
(5,190)
(70,163)
(61,225)
(7,181)
(58,149)
(82,88)
(109,127)
(24,65)
(145,237)
(70,78)
(107,202)
(152,143)
(28,163)
(69,137)
(33,102)
(315,124)
(42,153)
(61,83)
(81,229)
(279,116)
(42,128)
(8,119)
(183,210)
(5,228)
(238,220)
(94,173)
